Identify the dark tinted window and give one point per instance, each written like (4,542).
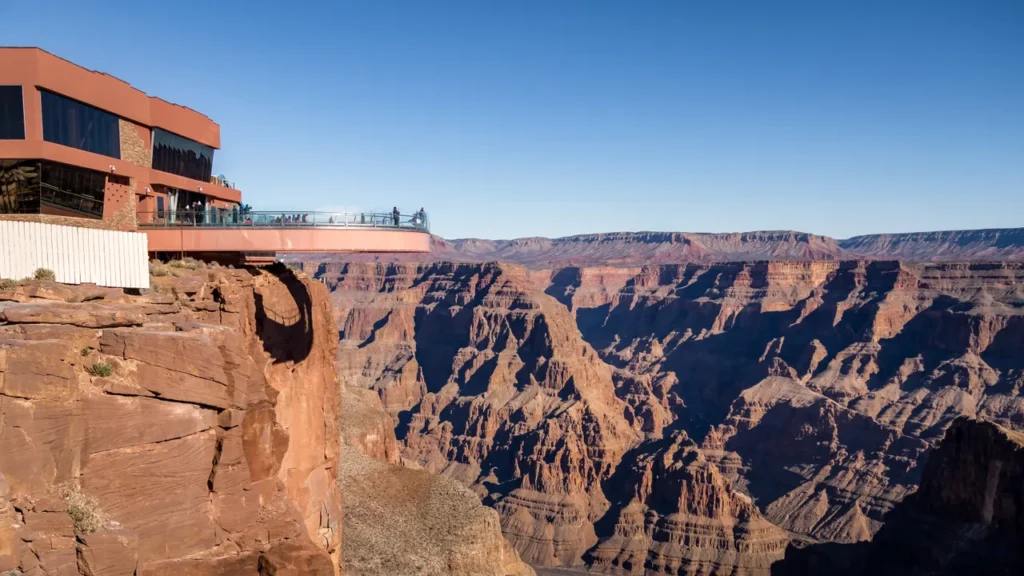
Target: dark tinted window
(78,125)
(181,156)
(72,188)
(12,114)
(19,186)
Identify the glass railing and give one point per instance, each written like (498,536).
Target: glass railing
(214,218)
(69,200)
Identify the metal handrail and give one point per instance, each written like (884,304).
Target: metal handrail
(220,218)
(58,197)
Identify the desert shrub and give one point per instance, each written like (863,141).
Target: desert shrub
(159,270)
(86,350)
(187,263)
(101,369)
(7,284)
(83,508)
(44,274)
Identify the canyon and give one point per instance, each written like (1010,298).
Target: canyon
(964,519)
(686,418)
(805,413)
(200,428)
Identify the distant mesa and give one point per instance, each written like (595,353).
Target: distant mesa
(622,249)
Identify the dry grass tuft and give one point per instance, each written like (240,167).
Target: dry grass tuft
(186,263)
(44,274)
(83,508)
(101,369)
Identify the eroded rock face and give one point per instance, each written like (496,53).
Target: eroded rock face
(490,383)
(966,518)
(816,388)
(624,249)
(405,522)
(684,517)
(186,431)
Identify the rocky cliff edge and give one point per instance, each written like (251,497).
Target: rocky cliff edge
(187,430)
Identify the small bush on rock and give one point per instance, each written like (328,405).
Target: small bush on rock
(7,284)
(83,508)
(44,274)
(101,369)
(159,270)
(187,263)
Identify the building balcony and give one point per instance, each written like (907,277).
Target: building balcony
(249,232)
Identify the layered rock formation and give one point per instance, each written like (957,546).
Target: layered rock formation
(190,430)
(624,249)
(490,382)
(683,517)
(949,245)
(816,388)
(465,355)
(405,522)
(965,518)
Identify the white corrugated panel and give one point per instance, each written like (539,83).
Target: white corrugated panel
(76,255)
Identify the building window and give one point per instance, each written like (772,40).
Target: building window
(12,113)
(181,156)
(19,187)
(78,125)
(34,187)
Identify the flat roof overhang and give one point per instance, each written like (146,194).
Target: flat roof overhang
(284,240)
(35,68)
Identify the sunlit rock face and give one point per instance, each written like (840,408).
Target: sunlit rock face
(189,430)
(814,388)
(404,522)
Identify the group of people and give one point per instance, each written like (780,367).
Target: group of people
(419,218)
(193,212)
(198,213)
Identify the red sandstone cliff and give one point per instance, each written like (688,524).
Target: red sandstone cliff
(191,430)
(490,382)
(816,388)
(965,519)
(404,522)
(624,249)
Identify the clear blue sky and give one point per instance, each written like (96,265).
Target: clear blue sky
(509,118)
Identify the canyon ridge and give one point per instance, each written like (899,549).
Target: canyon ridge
(693,417)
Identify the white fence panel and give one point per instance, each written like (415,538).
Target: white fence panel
(76,255)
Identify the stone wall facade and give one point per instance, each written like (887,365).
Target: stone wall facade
(120,202)
(135,143)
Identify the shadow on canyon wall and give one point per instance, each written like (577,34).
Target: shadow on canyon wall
(284,317)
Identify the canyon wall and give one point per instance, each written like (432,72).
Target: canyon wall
(490,382)
(624,249)
(189,430)
(965,518)
(405,522)
(803,395)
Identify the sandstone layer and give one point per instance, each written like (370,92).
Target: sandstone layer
(188,430)
(816,389)
(404,522)
(965,518)
(489,381)
(624,249)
